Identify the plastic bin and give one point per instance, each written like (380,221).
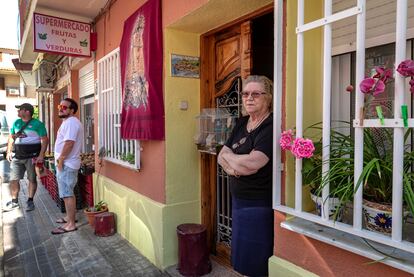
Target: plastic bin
(193,256)
(105,224)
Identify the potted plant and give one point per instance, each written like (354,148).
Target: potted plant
(311,153)
(91,212)
(340,174)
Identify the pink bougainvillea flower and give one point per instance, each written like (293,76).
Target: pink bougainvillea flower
(303,148)
(383,74)
(406,68)
(286,140)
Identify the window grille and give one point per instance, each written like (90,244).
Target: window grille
(395,123)
(120,151)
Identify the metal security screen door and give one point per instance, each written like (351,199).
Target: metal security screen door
(359,122)
(232,102)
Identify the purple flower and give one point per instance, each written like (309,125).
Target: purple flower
(383,74)
(366,85)
(412,85)
(406,68)
(383,220)
(372,85)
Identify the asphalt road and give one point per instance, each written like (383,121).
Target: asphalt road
(4,169)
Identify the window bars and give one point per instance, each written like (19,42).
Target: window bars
(396,123)
(120,151)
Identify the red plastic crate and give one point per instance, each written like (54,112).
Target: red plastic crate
(86,182)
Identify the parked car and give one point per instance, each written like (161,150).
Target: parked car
(4,133)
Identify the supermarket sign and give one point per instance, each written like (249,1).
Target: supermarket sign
(61,36)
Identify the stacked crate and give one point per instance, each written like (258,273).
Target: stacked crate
(50,183)
(79,202)
(86,188)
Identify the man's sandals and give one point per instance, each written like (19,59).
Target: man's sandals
(60,230)
(62,220)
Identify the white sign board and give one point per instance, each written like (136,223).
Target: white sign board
(61,36)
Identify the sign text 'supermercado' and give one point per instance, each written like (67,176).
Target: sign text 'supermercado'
(61,36)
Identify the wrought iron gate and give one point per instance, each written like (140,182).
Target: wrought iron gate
(232,102)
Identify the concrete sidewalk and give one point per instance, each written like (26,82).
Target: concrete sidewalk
(31,250)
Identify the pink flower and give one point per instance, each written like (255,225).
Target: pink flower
(286,140)
(371,85)
(412,85)
(367,85)
(349,88)
(406,68)
(302,148)
(382,74)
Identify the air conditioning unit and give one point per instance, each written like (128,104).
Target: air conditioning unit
(45,76)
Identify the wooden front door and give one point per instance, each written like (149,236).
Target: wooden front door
(226,58)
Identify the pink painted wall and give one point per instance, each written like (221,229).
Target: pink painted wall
(324,259)
(150,181)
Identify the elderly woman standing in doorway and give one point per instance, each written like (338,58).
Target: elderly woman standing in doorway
(247,159)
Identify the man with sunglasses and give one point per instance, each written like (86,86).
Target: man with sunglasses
(68,146)
(26,147)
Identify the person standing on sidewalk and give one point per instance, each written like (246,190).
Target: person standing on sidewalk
(26,147)
(67,156)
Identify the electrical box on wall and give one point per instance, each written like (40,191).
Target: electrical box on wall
(45,76)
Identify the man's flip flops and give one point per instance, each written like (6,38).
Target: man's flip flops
(62,220)
(61,230)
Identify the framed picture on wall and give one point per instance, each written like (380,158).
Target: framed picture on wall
(12,91)
(185,66)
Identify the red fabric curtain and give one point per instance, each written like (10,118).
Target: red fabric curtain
(141,73)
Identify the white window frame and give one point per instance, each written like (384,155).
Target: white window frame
(359,124)
(110,107)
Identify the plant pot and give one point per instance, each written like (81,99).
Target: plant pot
(91,214)
(334,207)
(378,217)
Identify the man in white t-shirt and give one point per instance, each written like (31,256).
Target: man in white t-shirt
(67,156)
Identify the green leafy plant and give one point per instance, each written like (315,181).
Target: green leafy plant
(100,206)
(376,176)
(129,157)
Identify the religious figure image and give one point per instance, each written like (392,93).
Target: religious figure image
(136,85)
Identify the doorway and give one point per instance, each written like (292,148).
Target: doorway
(229,55)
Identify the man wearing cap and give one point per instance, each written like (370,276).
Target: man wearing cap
(29,138)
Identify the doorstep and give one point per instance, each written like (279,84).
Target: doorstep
(218,270)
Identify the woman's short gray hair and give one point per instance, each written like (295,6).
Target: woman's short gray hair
(266,82)
(267,88)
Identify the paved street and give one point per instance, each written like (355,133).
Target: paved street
(31,250)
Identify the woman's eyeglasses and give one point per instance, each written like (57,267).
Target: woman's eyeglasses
(253,94)
(62,107)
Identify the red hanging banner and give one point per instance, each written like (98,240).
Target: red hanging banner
(141,73)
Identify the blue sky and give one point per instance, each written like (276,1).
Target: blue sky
(8,24)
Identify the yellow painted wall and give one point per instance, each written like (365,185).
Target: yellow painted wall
(182,157)
(313,45)
(282,268)
(149,225)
